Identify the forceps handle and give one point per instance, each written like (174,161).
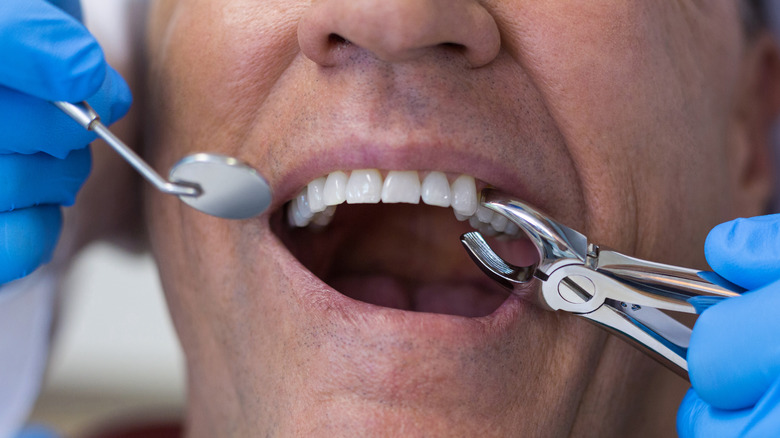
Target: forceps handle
(662,286)
(85,116)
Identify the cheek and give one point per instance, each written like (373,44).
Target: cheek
(208,83)
(640,92)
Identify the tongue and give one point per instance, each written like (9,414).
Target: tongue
(464,299)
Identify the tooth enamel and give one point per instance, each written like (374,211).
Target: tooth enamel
(322,219)
(316,191)
(302,202)
(499,222)
(464,195)
(436,190)
(294,216)
(461,217)
(329,211)
(335,191)
(364,187)
(401,186)
(511,229)
(291,214)
(475,223)
(484,214)
(487,230)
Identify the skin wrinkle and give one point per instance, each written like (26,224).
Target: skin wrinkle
(589,111)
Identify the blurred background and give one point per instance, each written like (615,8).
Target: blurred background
(116,358)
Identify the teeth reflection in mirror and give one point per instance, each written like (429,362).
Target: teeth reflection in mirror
(302,202)
(511,229)
(364,187)
(401,186)
(464,195)
(335,191)
(436,189)
(316,192)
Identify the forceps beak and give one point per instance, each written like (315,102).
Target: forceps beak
(498,269)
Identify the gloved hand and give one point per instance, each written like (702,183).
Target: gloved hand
(734,354)
(46,55)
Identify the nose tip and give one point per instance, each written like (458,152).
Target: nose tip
(398,30)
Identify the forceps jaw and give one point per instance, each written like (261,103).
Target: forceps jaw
(622,294)
(553,241)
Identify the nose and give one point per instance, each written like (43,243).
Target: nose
(398,30)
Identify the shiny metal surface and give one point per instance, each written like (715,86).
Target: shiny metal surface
(553,241)
(624,295)
(85,116)
(214,184)
(230,188)
(492,264)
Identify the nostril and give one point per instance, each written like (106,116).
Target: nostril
(336,40)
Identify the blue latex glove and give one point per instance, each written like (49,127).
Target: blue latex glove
(734,354)
(46,55)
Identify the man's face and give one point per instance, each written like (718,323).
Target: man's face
(615,117)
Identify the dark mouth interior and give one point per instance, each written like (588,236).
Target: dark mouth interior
(402,256)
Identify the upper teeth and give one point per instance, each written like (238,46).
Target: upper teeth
(316,202)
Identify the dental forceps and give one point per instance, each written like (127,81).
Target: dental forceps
(625,295)
(217,185)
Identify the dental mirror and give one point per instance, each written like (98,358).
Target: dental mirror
(217,185)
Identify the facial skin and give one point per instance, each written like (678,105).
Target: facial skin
(638,123)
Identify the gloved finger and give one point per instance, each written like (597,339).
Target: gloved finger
(733,355)
(27,239)
(695,418)
(746,251)
(29,125)
(30,180)
(47,53)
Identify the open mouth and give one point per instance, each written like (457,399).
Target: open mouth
(390,238)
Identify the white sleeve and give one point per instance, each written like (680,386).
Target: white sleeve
(26,308)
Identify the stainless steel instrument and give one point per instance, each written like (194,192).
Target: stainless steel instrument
(217,185)
(624,295)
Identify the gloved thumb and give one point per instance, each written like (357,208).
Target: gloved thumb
(746,251)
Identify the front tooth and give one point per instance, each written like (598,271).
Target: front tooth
(335,191)
(316,190)
(364,187)
(302,202)
(401,186)
(464,195)
(436,189)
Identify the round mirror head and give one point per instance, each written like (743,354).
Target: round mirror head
(230,189)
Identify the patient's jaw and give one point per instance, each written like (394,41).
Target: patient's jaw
(623,119)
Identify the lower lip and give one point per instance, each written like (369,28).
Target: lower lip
(319,298)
